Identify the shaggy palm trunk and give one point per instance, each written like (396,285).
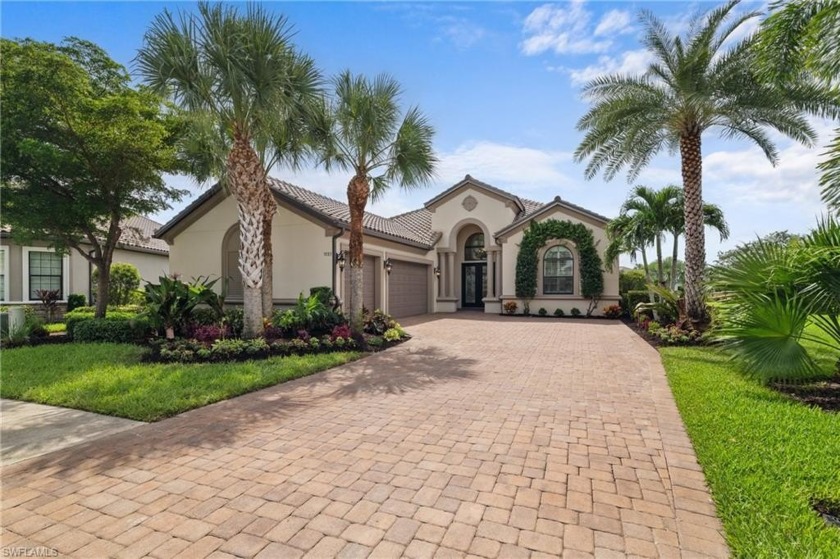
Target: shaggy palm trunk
(269,209)
(695,243)
(246,182)
(674,261)
(357,196)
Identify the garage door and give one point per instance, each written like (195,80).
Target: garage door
(369,277)
(408,289)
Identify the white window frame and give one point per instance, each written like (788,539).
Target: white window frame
(65,272)
(6,283)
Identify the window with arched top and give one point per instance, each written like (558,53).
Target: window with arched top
(474,247)
(558,271)
(230,264)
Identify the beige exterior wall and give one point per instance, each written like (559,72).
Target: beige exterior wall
(299,264)
(510,249)
(77,269)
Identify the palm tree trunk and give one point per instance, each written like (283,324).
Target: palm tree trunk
(246,181)
(674,261)
(695,243)
(357,196)
(659,268)
(647,272)
(267,290)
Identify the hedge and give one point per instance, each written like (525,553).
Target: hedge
(117,330)
(536,236)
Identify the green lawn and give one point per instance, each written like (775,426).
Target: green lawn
(110,379)
(765,456)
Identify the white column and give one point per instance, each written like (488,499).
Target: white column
(451,269)
(491,294)
(498,273)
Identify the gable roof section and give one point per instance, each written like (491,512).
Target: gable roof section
(470,181)
(545,208)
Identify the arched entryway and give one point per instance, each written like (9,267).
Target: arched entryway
(473,269)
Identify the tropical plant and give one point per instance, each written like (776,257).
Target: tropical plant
(309,313)
(83,150)
(364,131)
(170,303)
(695,83)
(668,306)
(768,295)
(247,91)
(49,299)
(800,40)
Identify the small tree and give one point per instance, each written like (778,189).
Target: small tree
(125,280)
(82,149)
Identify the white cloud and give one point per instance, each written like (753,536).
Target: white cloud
(614,22)
(630,62)
(461,32)
(510,167)
(563,29)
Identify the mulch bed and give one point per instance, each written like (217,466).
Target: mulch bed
(823,394)
(655,342)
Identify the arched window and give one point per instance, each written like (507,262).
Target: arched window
(230,264)
(558,271)
(474,249)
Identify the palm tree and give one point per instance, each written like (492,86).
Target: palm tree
(653,209)
(772,296)
(245,87)
(362,132)
(712,217)
(695,84)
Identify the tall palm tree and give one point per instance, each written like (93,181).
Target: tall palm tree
(240,78)
(696,83)
(364,132)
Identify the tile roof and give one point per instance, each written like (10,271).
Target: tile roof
(138,233)
(413,226)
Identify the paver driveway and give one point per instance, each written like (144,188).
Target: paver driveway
(487,436)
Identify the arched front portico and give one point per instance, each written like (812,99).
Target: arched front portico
(470,265)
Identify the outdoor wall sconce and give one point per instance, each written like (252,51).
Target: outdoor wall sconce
(388,266)
(437,272)
(339,259)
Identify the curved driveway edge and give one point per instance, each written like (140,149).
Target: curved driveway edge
(483,436)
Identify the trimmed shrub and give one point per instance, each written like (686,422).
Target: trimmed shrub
(559,312)
(510,307)
(542,312)
(631,280)
(82,314)
(75,300)
(392,334)
(116,330)
(576,312)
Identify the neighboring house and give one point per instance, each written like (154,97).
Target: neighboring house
(24,269)
(458,251)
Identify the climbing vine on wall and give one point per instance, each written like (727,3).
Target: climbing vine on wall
(537,235)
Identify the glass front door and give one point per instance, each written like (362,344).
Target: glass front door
(473,284)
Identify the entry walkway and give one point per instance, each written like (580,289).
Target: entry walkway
(28,430)
(482,436)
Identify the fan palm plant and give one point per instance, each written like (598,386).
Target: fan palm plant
(770,297)
(696,83)
(246,88)
(364,132)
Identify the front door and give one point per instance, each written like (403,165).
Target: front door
(473,284)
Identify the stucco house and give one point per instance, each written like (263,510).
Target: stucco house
(24,269)
(459,251)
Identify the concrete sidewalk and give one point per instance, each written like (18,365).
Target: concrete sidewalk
(28,430)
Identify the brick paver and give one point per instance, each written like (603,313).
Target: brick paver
(483,436)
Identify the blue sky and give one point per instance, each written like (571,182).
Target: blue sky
(501,83)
